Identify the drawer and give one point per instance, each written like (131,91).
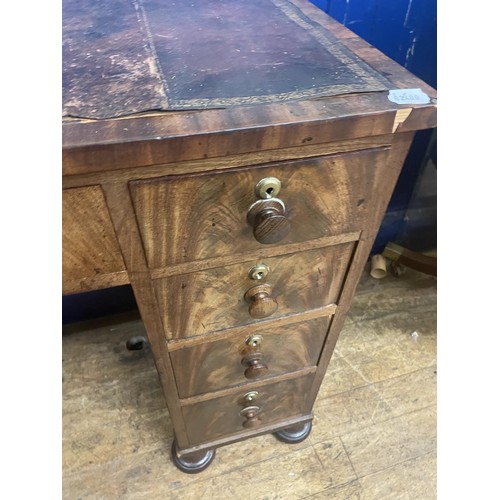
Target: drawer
(91,256)
(184,218)
(242,357)
(220,417)
(214,299)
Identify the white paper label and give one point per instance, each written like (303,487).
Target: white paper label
(408,96)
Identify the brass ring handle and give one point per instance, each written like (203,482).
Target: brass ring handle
(250,413)
(262,304)
(255,366)
(269,221)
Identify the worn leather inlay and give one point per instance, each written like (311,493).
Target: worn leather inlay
(122,57)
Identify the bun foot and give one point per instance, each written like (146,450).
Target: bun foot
(192,463)
(295,434)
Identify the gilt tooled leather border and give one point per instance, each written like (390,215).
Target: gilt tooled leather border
(122,57)
(371,80)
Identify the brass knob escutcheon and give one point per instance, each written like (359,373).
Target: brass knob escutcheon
(250,396)
(259,272)
(269,221)
(269,187)
(262,304)
(254,340)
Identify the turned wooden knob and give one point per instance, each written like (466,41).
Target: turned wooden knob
(256,367)
(262,304)
(251,414)
(269,221)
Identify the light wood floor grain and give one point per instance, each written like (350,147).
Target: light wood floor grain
(374,431)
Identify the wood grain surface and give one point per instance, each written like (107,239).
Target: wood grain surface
(91,256)
(247,330)
(122,216)
(265,252)
(212,300)
(284,349)
(220,417)
(382,190)
(188,218)
(305,150)
(115,144)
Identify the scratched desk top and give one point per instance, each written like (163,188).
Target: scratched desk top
(127,56)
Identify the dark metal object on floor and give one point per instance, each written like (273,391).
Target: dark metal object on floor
(418,261)
(136,343)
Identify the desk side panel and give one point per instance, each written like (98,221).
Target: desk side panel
(91,255)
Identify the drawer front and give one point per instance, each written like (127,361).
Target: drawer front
(220,417)
(90,252)
(187,218)
(242,358)
(214,299)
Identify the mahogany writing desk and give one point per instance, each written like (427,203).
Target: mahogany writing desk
(232,161)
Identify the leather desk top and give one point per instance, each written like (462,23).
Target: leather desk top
(130,56)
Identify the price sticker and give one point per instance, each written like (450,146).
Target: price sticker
(408,96)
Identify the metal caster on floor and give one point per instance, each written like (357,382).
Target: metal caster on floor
(295,434)
(136,343)
(192,463)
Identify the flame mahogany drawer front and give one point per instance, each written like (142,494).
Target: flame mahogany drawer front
(224,297)
(244,410)
(185,218)
(246,357)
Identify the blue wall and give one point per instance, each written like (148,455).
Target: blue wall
(406,31)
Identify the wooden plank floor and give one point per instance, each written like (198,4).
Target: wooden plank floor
(374,431)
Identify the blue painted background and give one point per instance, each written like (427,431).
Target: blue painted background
(404,30)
